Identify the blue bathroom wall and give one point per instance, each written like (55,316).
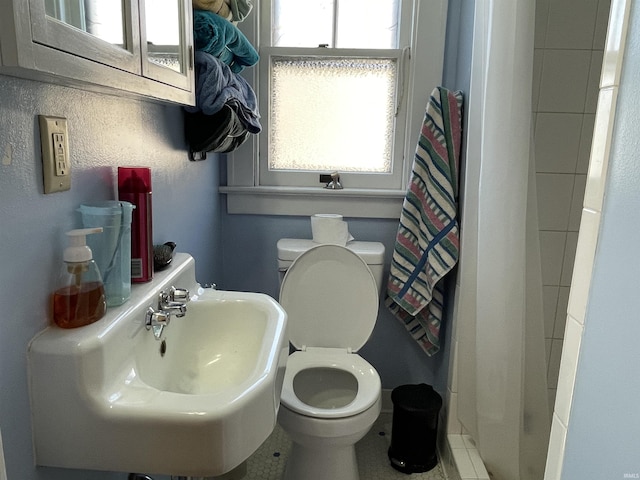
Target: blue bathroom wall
(104,132)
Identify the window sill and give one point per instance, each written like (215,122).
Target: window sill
(303,201)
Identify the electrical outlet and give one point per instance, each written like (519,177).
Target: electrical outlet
(56,167)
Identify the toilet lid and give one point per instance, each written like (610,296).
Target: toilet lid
(331,299)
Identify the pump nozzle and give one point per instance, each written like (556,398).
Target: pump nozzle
(78,251)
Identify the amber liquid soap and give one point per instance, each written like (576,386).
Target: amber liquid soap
(80,298)
(77,306)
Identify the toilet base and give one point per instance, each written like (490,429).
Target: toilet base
(330,463)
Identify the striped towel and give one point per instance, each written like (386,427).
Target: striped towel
(427,242)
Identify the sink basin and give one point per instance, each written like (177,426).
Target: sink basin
(197,401)
(216,347)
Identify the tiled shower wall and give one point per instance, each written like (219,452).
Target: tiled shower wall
(569,44)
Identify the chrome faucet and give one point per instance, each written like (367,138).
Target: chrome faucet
(173,302)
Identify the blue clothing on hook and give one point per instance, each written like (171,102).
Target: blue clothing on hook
(217,86)
(217,36)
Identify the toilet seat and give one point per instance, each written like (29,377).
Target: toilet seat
(331,299)
(367,378)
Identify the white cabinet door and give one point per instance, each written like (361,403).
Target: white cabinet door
(104,31)
(143,47)
(167,46)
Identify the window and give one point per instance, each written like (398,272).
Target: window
(336,85)
(332,97)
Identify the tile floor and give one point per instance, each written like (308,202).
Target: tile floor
(269,461)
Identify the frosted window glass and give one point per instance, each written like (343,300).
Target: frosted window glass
(332,114)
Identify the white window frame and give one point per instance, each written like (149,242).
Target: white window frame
(245,194)
(311,178)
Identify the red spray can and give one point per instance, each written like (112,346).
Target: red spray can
(134,186)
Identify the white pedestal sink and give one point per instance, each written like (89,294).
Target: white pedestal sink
(197,401)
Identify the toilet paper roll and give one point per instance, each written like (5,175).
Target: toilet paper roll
(330,228)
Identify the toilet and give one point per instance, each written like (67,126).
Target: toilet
(331,395)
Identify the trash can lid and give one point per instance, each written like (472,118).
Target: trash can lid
(416,398)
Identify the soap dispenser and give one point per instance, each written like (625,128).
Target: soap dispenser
(80,300)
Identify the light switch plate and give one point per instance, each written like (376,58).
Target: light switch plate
(56,166)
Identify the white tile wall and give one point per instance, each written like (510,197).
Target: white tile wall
(587,237)
(588,119)
(555,192)
(561,318)
(569,258)
(550,295)
(593,84)
(557,142)
(568,366)
(569,43)
(585,254)
(555,456)
(563,85)
(552,252)
(571,24)
(579,184)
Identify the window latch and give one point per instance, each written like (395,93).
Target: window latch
(333,181)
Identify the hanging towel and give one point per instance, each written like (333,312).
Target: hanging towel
(217,86)
(220,38)
(427,242)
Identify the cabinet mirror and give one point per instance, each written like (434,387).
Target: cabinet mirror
(104,20)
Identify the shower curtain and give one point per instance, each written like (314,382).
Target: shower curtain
(502,394)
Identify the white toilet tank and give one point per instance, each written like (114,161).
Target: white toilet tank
(371,252)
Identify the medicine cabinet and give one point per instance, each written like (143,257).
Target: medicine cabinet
(139,47)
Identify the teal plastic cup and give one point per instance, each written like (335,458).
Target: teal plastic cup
(111,249)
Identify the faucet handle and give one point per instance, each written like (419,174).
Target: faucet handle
(178,295)
(173,298)
(153,318)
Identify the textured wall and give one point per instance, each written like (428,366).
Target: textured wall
(104,132)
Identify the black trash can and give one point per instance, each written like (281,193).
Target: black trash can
(415,427)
